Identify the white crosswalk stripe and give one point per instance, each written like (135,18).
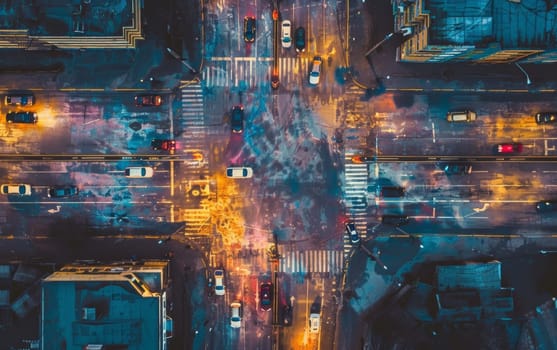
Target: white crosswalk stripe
(250,72)
(355,194)
(313,261)
(193,116)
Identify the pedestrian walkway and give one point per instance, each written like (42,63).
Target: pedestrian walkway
(246,72)
(355,195)
(312,261)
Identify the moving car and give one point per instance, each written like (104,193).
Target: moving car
(300,39)
(511,147)
(314,323)
(62,191)
(546,117)
(249,29)
(461,116)
(394,220)
(19,100)
(219,282)
(236,314)
(266,295)
(148,100)
(21,189)
(457,168)
(237,119)
(22,117)
(239,172)
(352,233)
(287,315)
(164,145)
(315,73)
(391,191)
(363,159)
(546,206)
(139,172)
(286,39)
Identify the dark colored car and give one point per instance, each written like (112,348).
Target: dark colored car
(352,232)
(546,117)
(391,191)
(457,168)
(546,206)
(249,29)
(287,315)
(394,220)
(266,296)
(148,100)
(62,191)
(19,100)
(300,39)
(237,119)
(164,145)
(22,117)
(512,147)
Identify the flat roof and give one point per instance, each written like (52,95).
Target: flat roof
(513,24)
(110,307)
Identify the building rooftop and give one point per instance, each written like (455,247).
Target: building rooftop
(96,305)
(469,276)
(513,24)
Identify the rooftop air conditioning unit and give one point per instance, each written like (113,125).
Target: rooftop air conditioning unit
(89,313)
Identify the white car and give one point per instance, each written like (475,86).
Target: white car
(236,314)
(315,71)
(239,172)
(21,189)
(139,172)
(219,282)
(285,34)
(314,323)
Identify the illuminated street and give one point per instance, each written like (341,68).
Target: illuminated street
(292,174)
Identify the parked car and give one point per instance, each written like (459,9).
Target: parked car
(239,172)
(314,323)
(249,29)
(546,117)
(457,168)
(148,100)
(546,206)
(315,73)
(266,296)
(139,172)
(236,314)
(164,145)
(62,191)
(286,38)
(352,232)
(512,147)
(394,220)
(300,39)
(219,282)
(22,117)
(21,189)
(19,100)
(237,119)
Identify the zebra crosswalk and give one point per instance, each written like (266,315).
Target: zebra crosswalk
(193,116)
(312,261)
(250,72)
(355,194)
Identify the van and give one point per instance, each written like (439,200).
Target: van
(461,116)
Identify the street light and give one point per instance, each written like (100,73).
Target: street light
(528,81)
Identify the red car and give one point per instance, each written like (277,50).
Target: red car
(363,159)
(148,100)
(164,145)
(513,147)
(266,296)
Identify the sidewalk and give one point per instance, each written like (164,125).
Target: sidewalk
(372,21)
